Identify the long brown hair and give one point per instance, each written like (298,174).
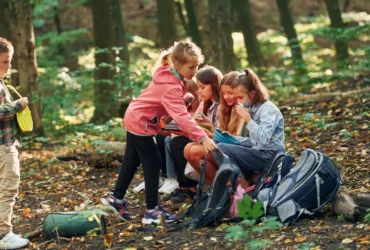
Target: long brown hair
(192,88)
(210,75)
(229,119)
(252,82)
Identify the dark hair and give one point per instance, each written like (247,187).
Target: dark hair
(229,121)
(5,45)
(210,75)
(252,82)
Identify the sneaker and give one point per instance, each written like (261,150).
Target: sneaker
(13,241)
(172,194)
(141,187)
(120,208)
(154,216)
(169,186)
(182,196)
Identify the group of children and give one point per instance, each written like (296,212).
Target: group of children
(237,104)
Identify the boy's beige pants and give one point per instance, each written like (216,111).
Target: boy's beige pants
(9,182)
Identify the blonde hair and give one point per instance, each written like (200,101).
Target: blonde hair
(180,53)
(229,119)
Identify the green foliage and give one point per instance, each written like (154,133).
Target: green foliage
(247,209)
(367,217)
(250,211)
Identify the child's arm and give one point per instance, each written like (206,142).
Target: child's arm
(173,102)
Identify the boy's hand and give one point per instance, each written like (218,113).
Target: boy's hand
(24,102)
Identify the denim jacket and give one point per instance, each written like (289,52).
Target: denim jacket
(266,129)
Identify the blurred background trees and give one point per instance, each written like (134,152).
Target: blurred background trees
(88,59)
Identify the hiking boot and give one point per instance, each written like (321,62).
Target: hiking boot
(119,207)
(13,241)
(154,216)
(181,196)
(169,186)
(172,194)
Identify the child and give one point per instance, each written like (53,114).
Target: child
(171,184)
(9,143)
(265,125)
(229,121)
(163,96)
(208,81)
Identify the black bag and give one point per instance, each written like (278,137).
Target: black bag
(208,207)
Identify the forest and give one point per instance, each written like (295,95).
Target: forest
(81,62)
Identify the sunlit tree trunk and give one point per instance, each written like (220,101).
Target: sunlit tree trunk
(336,21)
(166,22)
(193,24)
(105,89)
(250,37)
(222,53)
(18,16)
(288,26)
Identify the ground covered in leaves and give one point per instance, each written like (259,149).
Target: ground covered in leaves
(339,127)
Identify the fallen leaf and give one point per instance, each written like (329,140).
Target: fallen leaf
(346,241)
(213,239)
(300,239)
(108,240)
(26,212)
(124,234)
(287,241)
(315,229)
(148,238)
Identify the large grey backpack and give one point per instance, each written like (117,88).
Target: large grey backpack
(305,189)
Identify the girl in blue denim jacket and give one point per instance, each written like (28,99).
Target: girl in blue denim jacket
(264,122)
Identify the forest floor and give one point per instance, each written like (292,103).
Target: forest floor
(339,127)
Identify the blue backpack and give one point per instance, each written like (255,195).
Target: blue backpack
(304,189)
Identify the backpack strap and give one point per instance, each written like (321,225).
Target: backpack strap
(203,166)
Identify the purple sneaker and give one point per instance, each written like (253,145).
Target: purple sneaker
(121,208)
(154,216)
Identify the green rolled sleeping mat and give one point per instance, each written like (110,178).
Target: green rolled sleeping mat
(78,223)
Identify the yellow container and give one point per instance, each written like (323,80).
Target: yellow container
(24,117)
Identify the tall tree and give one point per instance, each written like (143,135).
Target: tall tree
(125,92)
(193,24)
(105,89)
(336,21)
(249,32)
(18,19)
(288,26)
(220,35)
(166,22)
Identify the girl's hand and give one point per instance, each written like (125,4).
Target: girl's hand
(205,121)
(243,112)
(226,132)
(209,133)
(209,145)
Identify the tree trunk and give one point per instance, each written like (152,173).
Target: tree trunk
(250,37)
(336,21)
(125,93)
(288,26)
(105,89)
(222,53)
(193,24)
(18,12)
(182,17)
(166,22)
(346,5)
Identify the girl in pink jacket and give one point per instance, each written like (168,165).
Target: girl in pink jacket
(163,96)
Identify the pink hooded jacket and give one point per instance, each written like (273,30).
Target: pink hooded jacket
(163,96)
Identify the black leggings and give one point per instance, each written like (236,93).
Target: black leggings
(160,143)
(177,151)
(144,150)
